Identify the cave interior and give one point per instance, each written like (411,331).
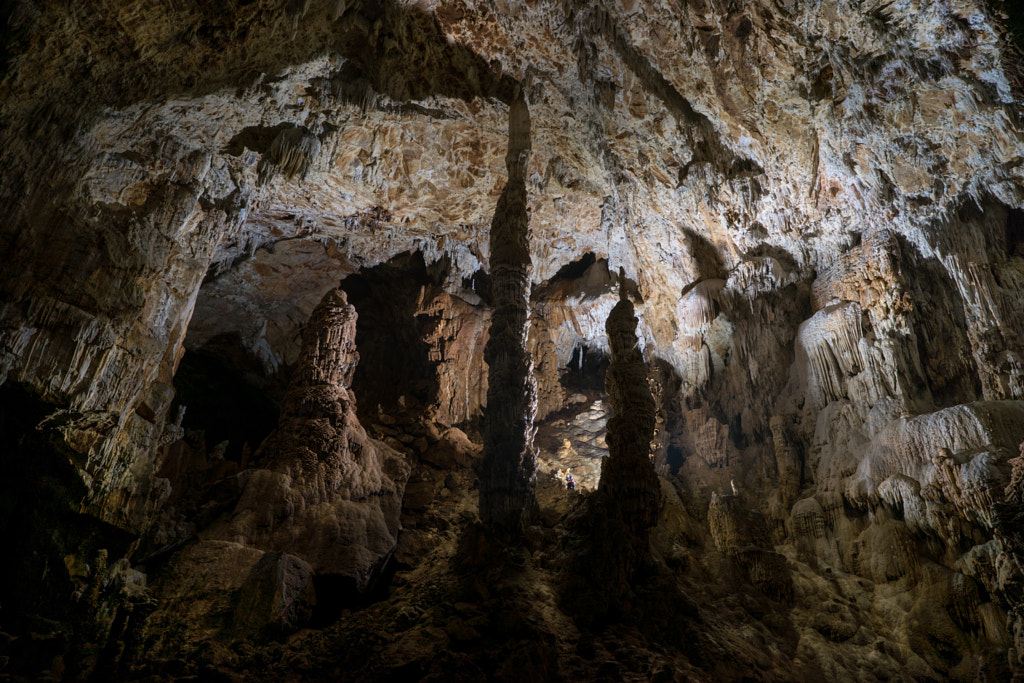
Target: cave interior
(310,311)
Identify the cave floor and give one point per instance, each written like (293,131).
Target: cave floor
(573,440)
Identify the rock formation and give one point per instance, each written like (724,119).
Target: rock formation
(509,463)
(323,490)
(629,491)
(628,499)
(818,208)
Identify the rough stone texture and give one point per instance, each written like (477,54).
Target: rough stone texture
(819,205)
(263,303)
(225,588)
(508,471)
(456,331)
(323,490)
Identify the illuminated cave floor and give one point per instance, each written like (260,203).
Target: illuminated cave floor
(573,440)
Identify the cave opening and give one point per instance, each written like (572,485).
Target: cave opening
(394,370)
(576,269)
(229,404)
(336,593)
(479,283)
(573,439)
(585,371)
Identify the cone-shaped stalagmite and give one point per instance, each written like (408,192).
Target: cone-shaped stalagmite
(324,491)
(510,461)
(616,529)
(629,488)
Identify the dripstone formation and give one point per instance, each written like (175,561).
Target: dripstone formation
(322,489)
(509,459)
(628,500)
(629,487)
(817,209)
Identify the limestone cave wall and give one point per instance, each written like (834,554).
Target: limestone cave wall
(817,210)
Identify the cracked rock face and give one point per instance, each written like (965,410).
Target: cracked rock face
(818,207)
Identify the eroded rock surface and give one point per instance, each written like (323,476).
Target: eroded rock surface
(321,489)
(819,208)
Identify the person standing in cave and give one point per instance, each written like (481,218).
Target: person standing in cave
(570,483)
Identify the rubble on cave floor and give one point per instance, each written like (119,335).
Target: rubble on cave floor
(573,441)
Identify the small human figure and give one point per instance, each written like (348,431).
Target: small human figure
(570,483)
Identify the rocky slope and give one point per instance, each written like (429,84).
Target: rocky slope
(818,209)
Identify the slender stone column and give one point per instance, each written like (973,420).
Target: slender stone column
(629,488)
(614,535)
(509,459)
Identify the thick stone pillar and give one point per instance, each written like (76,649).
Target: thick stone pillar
(509,460)
(629,490)
(324,490)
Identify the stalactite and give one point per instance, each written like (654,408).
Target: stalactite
(510,460)
(296,11)
(292,153)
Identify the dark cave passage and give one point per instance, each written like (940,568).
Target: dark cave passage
(586,370)
(394,361)
(226,397)
(573,439)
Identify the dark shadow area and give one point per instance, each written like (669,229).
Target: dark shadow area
(1015,14)
(1015,233)
(335,594)
(587,275)
(941,326)
(10,36)
(54,557)
(411,58)
(393,359)
(401,50)
(665,386)
(480,284)
(585,371)
(708,260)
(256,138)
(576,269)
(219,386)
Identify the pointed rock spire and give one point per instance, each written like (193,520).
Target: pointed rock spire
(509,458)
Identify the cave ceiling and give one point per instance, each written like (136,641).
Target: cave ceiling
(679,140)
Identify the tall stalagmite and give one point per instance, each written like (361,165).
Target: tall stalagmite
(325,491)
(510,461)
(629,492)
(615,531)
